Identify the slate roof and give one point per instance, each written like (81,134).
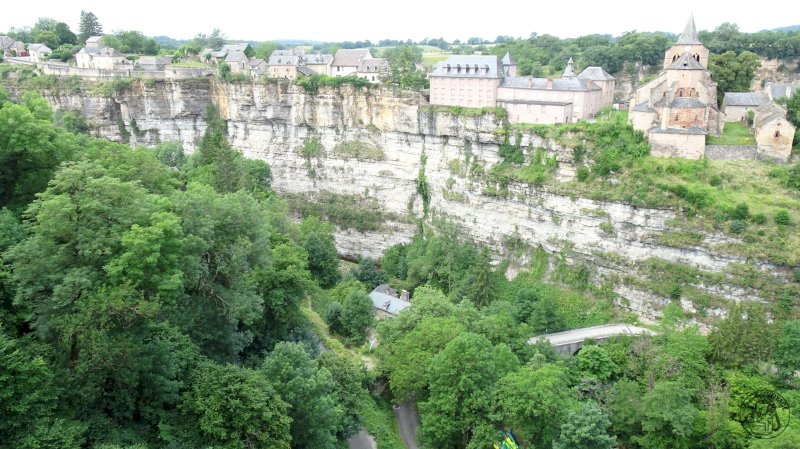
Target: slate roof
(101,51)
(227,48)
(526,82)
(745,99)
(681,102)
(317,59)
(6,43)
(479,67)
(508,60)
(305,70)
(537,102)
(374,65)
(689,35)
(595,73)
(769,112)
(643,107)
(39,48)
(691,130)
(388,303)
(93,39)
(236,56)
(350,58)
(685,62)
(284,59)
(779,90)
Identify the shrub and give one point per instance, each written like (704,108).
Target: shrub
(740,212)
(737,226)
(715,181)
(675,292)
(782,218)
(759,218)
(582,174)
(797,275)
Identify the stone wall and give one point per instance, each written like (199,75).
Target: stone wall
(731,152)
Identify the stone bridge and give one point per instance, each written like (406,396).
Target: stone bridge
(569,342)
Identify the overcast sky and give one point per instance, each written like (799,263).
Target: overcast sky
(340,20)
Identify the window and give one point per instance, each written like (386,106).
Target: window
(777,133)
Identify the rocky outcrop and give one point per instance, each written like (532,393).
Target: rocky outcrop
(385,143)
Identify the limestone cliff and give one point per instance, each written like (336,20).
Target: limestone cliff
(381,142)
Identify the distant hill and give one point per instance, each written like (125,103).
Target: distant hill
(168,42)
(789,28)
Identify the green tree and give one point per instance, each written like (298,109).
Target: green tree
(534,403)
(237,408)
(627,412)
(744,337)
(310,392)
(323,260)
(669,416)
(264,49)
(403,71)
(367,272)
(357,316)
(349,380)
(585,428)
(49,38)
(787,351)
(481,290)
(594,361)
(545,316)
(89,26)
(462,377)
(732,72)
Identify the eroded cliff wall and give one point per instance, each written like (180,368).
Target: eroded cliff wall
(380,143)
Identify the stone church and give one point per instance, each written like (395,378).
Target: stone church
(678,108)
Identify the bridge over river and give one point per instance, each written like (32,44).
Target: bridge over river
(569,342)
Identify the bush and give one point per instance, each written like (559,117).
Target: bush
(759,218)
(797,275)
(740,212)
(737,226)
(582,174)
(782,218)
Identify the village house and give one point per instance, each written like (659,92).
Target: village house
(487,81)
(258,67)
(96,56)
(216,56)
(153,63)
(284,64)
(678,108)
(39,52)
(373,70)
(319,63)
(774,133)
(776,91)
(237,61)
(737,105)
(386,301)
(11,47)
(346,62)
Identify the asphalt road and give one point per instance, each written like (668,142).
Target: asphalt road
(362,440)
(595,332)
(408,421)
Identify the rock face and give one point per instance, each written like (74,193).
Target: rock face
(385,143)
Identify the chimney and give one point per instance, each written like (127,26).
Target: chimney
(549,83)
(404,295)
(530,83)
(386,305)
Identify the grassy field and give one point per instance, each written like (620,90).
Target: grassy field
(734,133)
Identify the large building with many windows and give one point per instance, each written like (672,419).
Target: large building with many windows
(488,81)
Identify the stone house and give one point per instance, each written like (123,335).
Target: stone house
(774,133)
(103,58)
(386,302)
(319,63)
(346,62)
(487,81)
(258,67)
(776,91)
(153,63)
(736,105)
(11,47)
(94,42)
(39,52)
(238,61)
(373,70)
(283,64)
(678,108)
